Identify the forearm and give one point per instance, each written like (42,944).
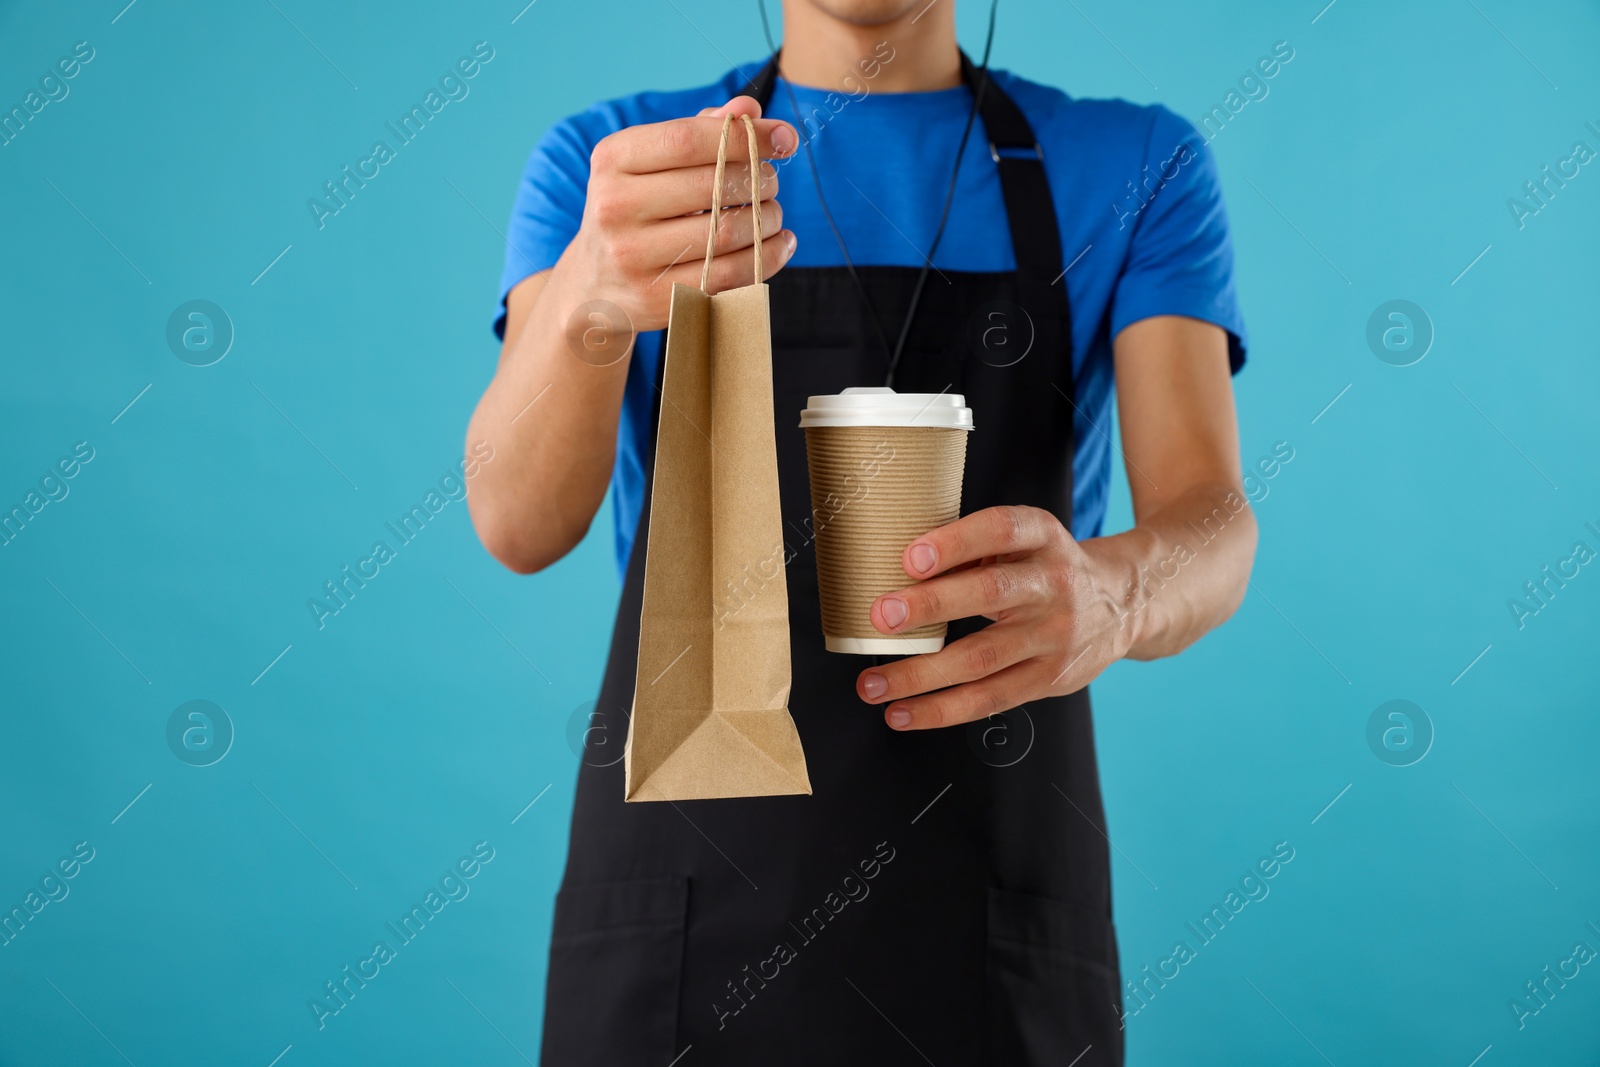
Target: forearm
(551,417)
(553,406)
(1177,574)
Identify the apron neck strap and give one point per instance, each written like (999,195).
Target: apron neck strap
(1030,209)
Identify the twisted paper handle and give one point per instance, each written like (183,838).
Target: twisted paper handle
(716,195)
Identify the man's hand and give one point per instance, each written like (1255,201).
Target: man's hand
(1063,610)
(642,225)
(644,228)
(1053,629)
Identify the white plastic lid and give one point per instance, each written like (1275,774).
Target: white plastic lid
(881,406)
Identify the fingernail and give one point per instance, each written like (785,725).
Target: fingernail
(874,685)
(899,718)
(894,611)
(783,140)
(923,557)
(790,243)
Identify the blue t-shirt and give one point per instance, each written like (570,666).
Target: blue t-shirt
(1143,230)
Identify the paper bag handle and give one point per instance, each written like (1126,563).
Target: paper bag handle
(716,195)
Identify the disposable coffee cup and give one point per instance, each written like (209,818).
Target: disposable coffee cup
(885,469)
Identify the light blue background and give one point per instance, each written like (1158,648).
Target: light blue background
(429,713)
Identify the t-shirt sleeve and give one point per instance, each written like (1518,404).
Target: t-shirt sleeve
(1180,257)
(549,204)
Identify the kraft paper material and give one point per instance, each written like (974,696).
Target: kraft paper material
(874,490)
(710,708)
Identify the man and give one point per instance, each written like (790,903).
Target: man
(945,893)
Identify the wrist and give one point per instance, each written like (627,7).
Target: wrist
(589,272)
(579,276)
(586,317)
(1120,577)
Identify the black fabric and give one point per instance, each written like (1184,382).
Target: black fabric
(943,895)
(619,949)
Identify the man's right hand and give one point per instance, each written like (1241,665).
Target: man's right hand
(551,413)
(643,224)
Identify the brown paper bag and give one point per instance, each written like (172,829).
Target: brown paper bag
(710,705)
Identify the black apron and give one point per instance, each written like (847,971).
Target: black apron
(944,895)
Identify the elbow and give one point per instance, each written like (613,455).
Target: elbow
(522,547)
(518,555)
(516,558)
(1248,539)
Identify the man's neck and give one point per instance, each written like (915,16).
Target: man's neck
(822,51)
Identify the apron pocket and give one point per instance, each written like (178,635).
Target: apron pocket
(1052,983)
(616,958)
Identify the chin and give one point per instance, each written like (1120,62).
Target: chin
(868,12)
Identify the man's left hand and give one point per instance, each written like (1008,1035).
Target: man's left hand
(1053,630)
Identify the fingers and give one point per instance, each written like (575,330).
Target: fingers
(1000,531)
(739,105)
(984,590)
(976,656)
(998,692)
(688,142)
(671,193)
(732,269)
(735,232)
